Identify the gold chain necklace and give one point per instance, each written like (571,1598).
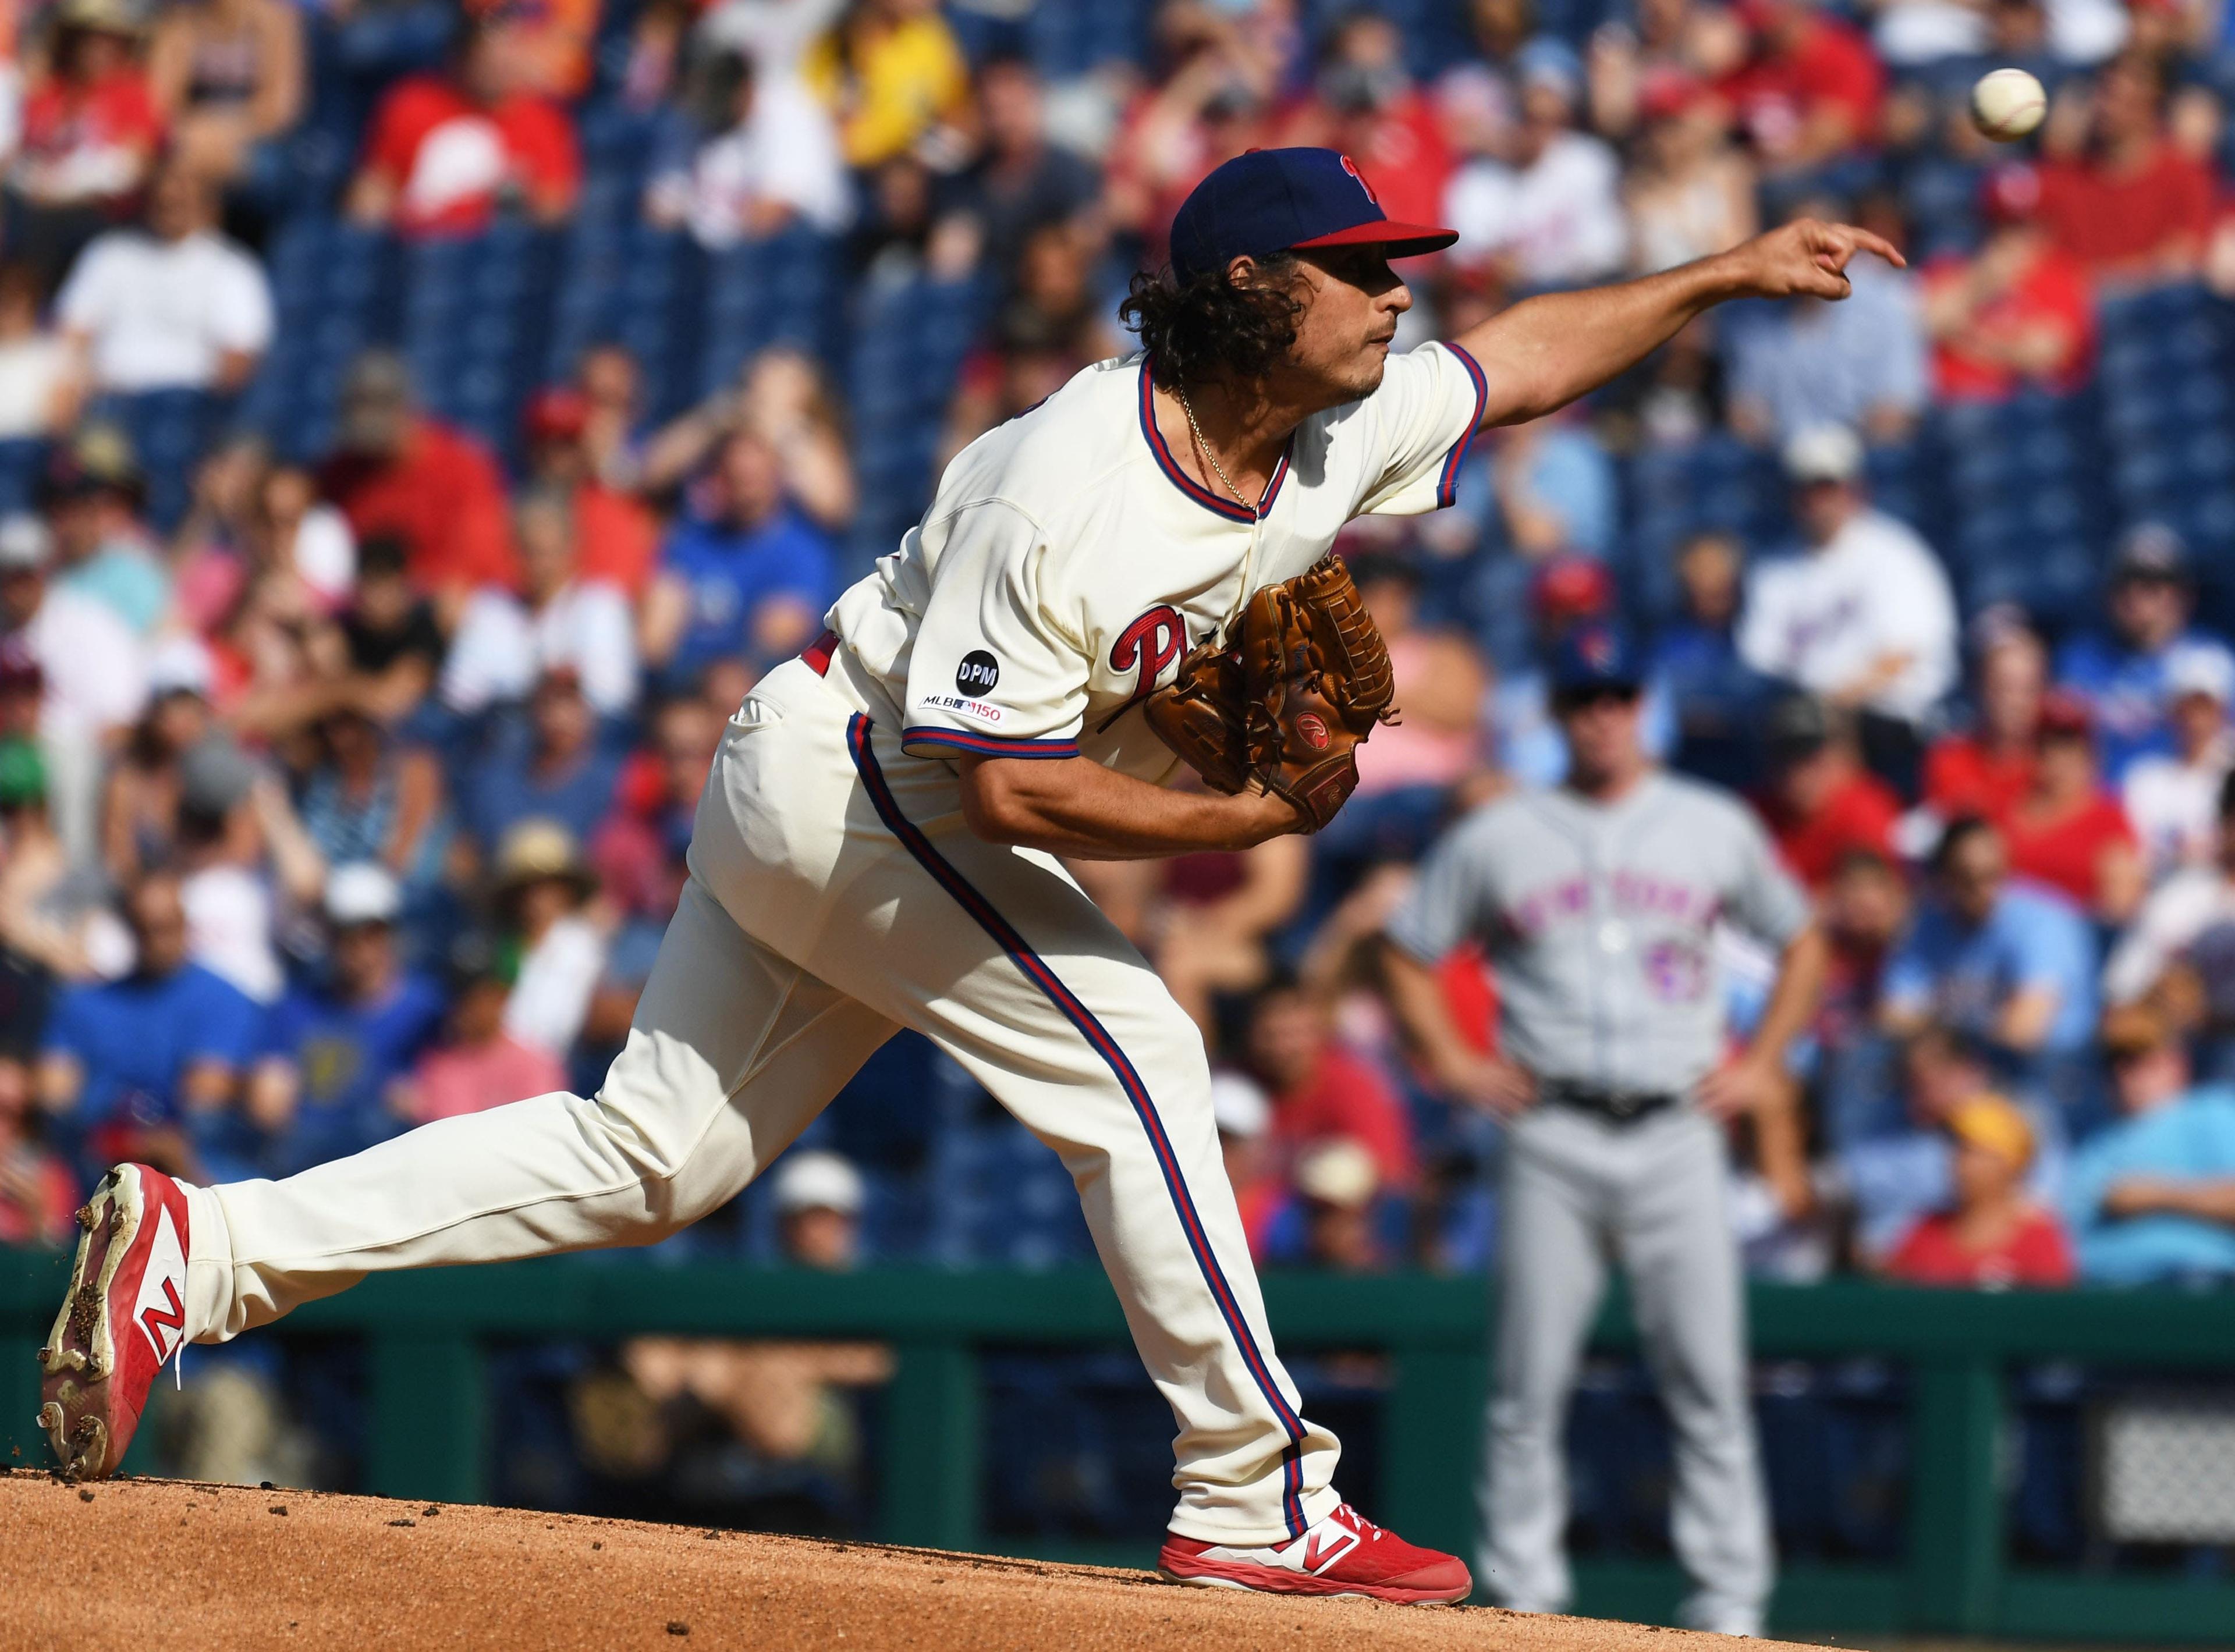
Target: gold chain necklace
(1203,447)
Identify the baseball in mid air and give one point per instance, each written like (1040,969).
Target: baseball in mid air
(2007,104)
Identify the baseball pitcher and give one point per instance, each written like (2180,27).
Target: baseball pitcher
(1598,904)
(877,844)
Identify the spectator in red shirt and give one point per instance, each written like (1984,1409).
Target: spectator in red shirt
(1245,1118)
(1995,1236)
(2015,314)
(2122,199)
(2069,831)
(1364,104)
(1209,107)
(447,150)
(638,851)
(436,489)
(1813,90)
(1988,771)
(615,538)
(478,1065)
(1319,1088)
(1821,805)
(90,131)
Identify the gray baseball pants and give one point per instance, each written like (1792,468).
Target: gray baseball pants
(1578,1192)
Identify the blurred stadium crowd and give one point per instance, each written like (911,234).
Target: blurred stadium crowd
(418,426)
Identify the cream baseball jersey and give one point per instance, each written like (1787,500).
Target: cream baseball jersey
(1068,561)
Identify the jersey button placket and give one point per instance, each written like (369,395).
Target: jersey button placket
(1605,926)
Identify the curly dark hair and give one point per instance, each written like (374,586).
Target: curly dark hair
(1206,327)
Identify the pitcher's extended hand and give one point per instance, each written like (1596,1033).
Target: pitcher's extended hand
(1807,256)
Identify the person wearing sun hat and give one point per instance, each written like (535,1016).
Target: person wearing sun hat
(543,891)
(1992,1235)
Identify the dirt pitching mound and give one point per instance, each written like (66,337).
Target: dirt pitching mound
(166,1563)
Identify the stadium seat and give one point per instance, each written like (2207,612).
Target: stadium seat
(1003,1200)
(338,289)
(170,432)
(22,461)
(780,289)
(909,338)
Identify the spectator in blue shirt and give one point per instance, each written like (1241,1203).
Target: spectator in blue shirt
(1715,697)
(334,1053)
(559,764)
(742,574)
(2009,964)
(1899,1170)
(1797,363)
(2153,1197)
(2120,674)
(147,1067)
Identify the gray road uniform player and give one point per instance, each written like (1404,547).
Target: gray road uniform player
(1600,920)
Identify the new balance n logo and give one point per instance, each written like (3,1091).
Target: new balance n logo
(1326,1545)
(158,1310)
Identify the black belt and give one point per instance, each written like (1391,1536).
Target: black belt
(1616,1106)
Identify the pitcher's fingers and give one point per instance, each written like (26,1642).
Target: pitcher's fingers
(1863,240)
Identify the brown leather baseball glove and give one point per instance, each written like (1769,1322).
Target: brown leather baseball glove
(1285,703)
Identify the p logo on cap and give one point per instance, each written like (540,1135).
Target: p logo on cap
(1277,201)
(1351,167)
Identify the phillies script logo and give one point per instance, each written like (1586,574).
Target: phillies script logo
(1313,730)
(1351,167)
(1149,644)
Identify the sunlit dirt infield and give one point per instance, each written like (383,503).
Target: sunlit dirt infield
(168,1566)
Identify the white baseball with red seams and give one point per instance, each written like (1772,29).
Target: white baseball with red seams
(2008,104)
(837,894)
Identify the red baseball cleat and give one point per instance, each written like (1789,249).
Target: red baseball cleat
(1344,1554)
(125,1315)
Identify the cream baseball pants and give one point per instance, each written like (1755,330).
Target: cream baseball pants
(835,895)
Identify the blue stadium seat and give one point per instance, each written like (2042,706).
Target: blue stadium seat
(22,461)
(1940,195)
(641,287)
(2020,511)
(909,337)
(1003,1200)
(171,430)
(782,288)
(477,313)
(1065,41)
(2167,419)
(338,289)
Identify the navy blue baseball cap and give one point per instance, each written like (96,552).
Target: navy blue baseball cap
(1278,201)
(1593,656)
